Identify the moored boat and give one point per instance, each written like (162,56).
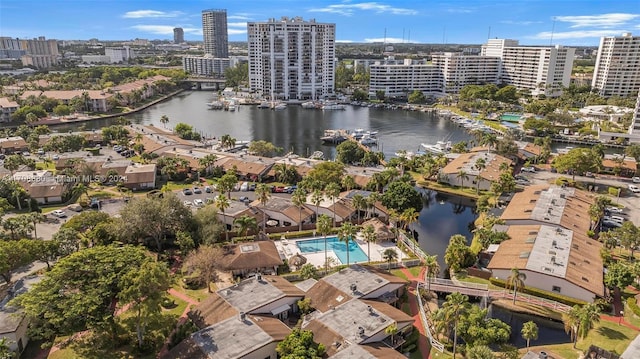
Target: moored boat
(440,147)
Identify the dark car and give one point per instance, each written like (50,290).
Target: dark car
(187,192)
(244,199)
(207,189)
(197,190)
(252,187)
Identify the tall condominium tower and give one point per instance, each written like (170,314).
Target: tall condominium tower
(40,52)
(291,58)
(541,70)
(214,31)
(617,71)
(178,35)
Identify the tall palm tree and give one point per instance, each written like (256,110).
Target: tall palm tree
(392,330)
(516,281)
(454,307)
(580,320)
(359,202)
(323,225)
(409,217)
(345,234)
(35,218)
(244,224)
(433,268)
(164,120)
(373,198)
(333,191)
(348,182)
(480,165)
(389,255)
(221,204)
(299,198)
(370,235)
(263,194)
(316,199)
(462,176)
(529,331)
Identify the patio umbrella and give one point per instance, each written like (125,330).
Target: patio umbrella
(272,223)
(297,260)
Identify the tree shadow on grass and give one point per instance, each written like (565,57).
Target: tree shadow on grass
(611,333)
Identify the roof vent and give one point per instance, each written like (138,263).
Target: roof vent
(361,331)
(353,287)
(259,277)
(242,316)
(370,308)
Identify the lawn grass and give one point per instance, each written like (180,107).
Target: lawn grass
(195,294)
(607,335)
(173,186)
(459,191)
(179,309)
(46,166)
(399,273)
(52,208)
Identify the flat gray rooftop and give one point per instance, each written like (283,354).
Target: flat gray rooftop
(231,338)
(364,280)
(550,252)
(10,316)
(352,351)
(354,321)
(251,294)
(305,285)
(551,204)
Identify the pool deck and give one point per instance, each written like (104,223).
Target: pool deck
(288,248)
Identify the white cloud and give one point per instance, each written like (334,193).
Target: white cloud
(349,9)
(459,10)
(389,40)
(138,14)
(575,34)
(345,41)
(164,29)
(236,24)
(521,23)
(238,17)
(236,31)
(602,20)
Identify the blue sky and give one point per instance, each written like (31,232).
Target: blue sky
(572,22)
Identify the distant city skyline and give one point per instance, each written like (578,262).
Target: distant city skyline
(533,22)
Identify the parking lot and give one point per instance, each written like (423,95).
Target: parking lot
(204,196)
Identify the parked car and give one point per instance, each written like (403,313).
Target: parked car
(529,169)
(613,209)
(611,224)
(290,189)
(197,190)
(59,213)
(187,203)
(278,189)
(614,219)
(198,202)
(635,180)
(207,189)
(244,199)
(55,157)
(634,188)
(187,192)
(244,186)
(590,174)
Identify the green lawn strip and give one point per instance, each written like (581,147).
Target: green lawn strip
(178,309)
(464,192)
(436,354)
(195,294)
(399,273)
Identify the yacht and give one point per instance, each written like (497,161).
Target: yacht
(215,105)
(263,104)
(368,140)
(441,147)
(309,105)
(278,106)
(333,106)
(333,137)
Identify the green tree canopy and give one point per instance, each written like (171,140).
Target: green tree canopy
(401,196)
(349,152)
(299,344)
(263,148)
(325,172)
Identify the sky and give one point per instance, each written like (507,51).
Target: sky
(533,22)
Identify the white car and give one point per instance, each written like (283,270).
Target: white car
(529,169)
(59,213)
(635,180)
(198,202)
(187,203)
(634,189)
(614,209)
(613,218)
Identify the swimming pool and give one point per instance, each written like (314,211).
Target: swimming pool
(511,117)
(356,255)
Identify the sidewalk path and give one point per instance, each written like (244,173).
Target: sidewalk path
(183,317)
(423,343)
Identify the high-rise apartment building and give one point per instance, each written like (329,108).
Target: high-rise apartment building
(400,78)
(10,48)
(40,53)
(178,35)
(119,54)
(214,31)
(459,70)
(206,65)
(635,123)
(617,70)
(291,58)
(541,70)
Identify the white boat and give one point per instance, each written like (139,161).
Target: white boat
(368,140)
(231,108)
(215,105)
(333,106)
(441,147)
(263,104)
(309,105)
(280,106)
(317,155)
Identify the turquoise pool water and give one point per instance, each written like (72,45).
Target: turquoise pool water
(356,254)
(511,117)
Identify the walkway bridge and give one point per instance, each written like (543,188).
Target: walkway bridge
(482,290)
(213,82)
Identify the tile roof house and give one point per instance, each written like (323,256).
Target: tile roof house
(13,321)
(140,176)
(284,211)
(7,108)
(467,162)
(42,185)
(12,144)
(255,257)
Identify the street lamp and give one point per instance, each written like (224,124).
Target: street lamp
(621,316)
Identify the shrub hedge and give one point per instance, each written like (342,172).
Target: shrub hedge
(541,293)
(631,302)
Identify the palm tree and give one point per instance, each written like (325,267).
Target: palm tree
(389,255)
(333,191)
(245,224)
(480,165)
(221,204)
(529,331)
(580,320)
(35,218)
(369,235)
(462,176)
(359,202)
(316,199)
(207,161)
(299,198)
(454,307)
(392,330)
(348,183)
(433,268)
(516,281)
(373,198)
(263,194)
(409,216)
(164,120)
(345,234)
(323,225)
